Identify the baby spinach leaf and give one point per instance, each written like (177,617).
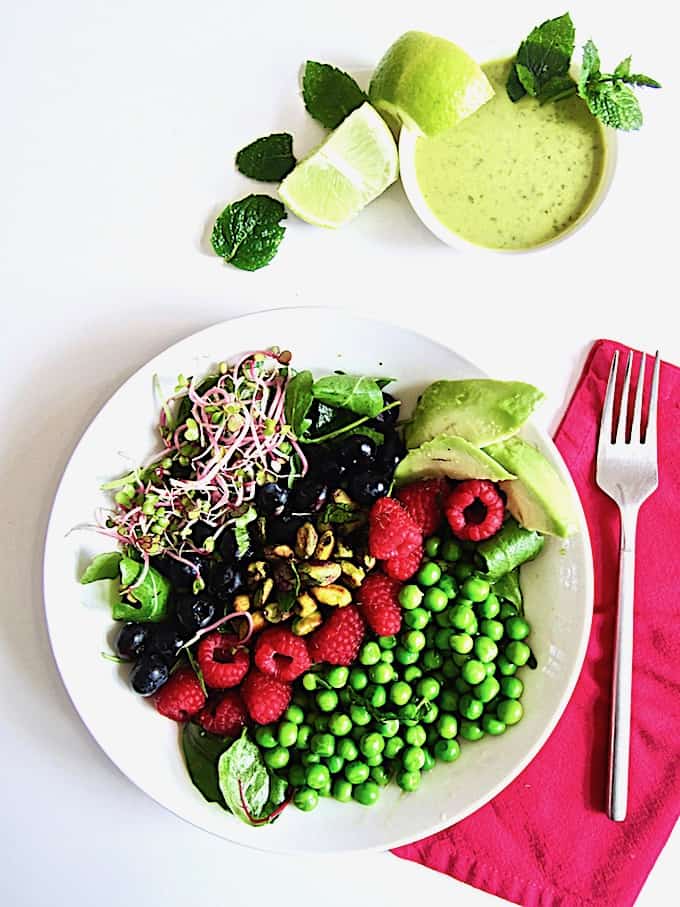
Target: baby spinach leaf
(201,754)
(352,428)
(102,566)
(151,595)
(248,233)
(299,398)
(543,55)
(508,549)
(329,93)
(244,780)
(358,393)
(269,158)
(508,588)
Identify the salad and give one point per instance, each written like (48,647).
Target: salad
(326,596)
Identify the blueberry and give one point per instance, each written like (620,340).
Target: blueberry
(388,418)
(392,451)
(166,640)
(283,530)
(271,499)
(367,485)
(309,495)
(181,575)
(195,612)
(224,578)
(132,640)
(149,675)
(356,451)
(330,471)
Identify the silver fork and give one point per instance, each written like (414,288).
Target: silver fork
(627,470)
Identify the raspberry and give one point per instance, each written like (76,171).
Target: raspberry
(181,697)
(224,717)
(422,500)
(403,566)
(281,655)
(222,661)
(337,641)
(266,698)
(391,529)
(380,604)
(474,510)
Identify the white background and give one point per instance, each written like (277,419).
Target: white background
(119,122)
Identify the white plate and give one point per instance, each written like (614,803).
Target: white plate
(144,745)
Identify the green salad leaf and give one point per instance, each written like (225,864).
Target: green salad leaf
(358,393)
(329,93)
(268,159)
(201,755)
(248,232)
(151,595)
(249,789)
(102,566)
(508,588)
(299,398)
(507,550)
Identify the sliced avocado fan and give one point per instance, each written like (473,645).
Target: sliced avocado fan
(449,456)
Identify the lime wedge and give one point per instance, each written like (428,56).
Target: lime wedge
(353,166)
(428,84)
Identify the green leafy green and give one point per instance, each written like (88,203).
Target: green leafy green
(339,513)
(268,159)
(151,595)
(248,232)
(329,93)
(196,668)
(352,428)
(102,566)
(248,788)
(608,95)
(508,588)
(358,393)
(543,56)
(201,755)
(508,549)
(299,398)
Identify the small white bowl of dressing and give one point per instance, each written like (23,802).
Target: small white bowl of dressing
(511,177)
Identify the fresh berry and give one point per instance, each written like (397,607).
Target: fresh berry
(391,529)
(271,499)
(166,640)
(423,502)
(474,510)
(223,662)
(392,451)
(338,639)
(265,697)
(403,566)
(149,675)
(224,717)
(195,611)
(182,574)
(309,495)
(368,485)
(379,597)
(282,655)
(224,579)
(356,451)
(390,416)
(181,697)
(131,640)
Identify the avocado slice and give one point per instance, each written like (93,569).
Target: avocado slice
(480,410)
(449,456)
(538,498)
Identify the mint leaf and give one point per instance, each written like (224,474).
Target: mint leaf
(358,393)
(102,566)
(542,56)
(590,67)
(329,93)
(614,104)
(268,159)
(299,398)
(248,233)
(623,69)
(557,89)
(642,81)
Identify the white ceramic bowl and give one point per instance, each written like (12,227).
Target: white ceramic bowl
(144,745)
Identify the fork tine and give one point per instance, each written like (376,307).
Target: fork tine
(622,424)
(607,420)
(636,424)
(650,431)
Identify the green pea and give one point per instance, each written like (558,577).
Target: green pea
(279,757)
(359,715)
(381,673)
(327,700)
(415,735)
(325,791)
(463,570)
(462,686)
(306,799)
(429,574)
(442,640)
(409,712)
(430,714)
(428,688)
(288,732)
(348,749)
(507,668)
(335,764)
(448,586)
(408,781)
(470,730)
(506,610)
(400,693)
(389,727)
(370,653)
(339,724)
(414,640)
(490,607)
(296,775)
(447,726)
(404,656)
(366,793)
(451,550)
(358,679)
(428,762)
(374,761)
(449,669)
(413,759)
(371,744)
(492,725)
(323,745)
(410,597)
(448,700)
(476,589)
(486,690)
(303,736)
(387,656)
(387,642)
(317,776)
(342,790)
(517,628)
(295,714)
(518,653)
(470,707)
(393,747)
(356,772)
(512,687)
(376,694)
(461,643)
(510,711)
(412,672)
(473,671)
(492,628)
(310,681)
(447,750)
(432,546)
(380,775)
(485,649)
(432,660)
(417,619)
(435,599)
(463,618)
(337,676)
(265,737)
(490,667)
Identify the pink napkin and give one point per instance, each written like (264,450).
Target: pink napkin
(545,841)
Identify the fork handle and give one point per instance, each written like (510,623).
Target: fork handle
(622,683)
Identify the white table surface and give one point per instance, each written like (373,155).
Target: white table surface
(119,126)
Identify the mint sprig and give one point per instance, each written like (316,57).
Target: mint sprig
(608,95)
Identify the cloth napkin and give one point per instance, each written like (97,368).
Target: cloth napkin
(545,841)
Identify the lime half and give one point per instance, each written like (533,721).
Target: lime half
(428,84)
(357,162)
